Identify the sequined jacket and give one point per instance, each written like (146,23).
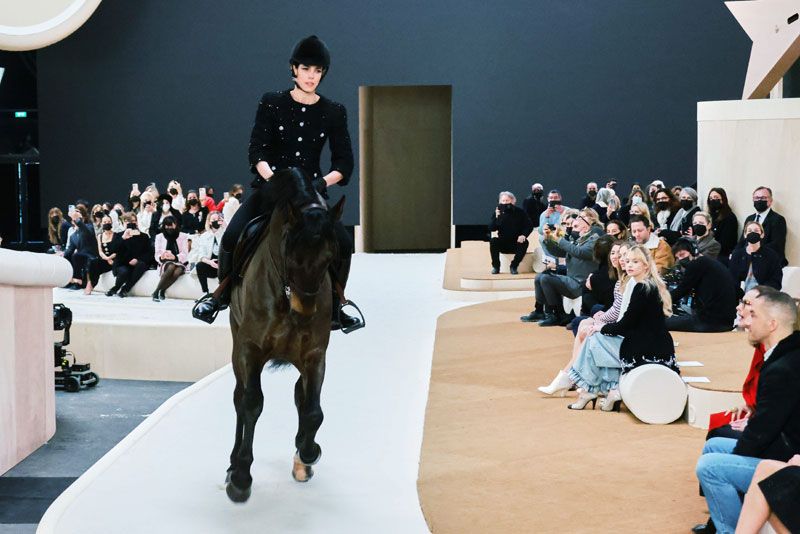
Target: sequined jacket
(287,134)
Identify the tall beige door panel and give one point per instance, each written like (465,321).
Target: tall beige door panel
(406,167)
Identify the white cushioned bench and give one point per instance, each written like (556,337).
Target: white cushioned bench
(186,287)
(654,394)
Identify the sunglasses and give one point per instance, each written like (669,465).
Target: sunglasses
(148,202)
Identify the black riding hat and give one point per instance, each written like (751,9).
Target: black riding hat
(311,51)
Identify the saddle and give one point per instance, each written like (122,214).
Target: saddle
(255,232)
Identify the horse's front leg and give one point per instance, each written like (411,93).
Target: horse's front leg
(238,488)
(307,396)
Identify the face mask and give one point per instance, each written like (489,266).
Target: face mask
(135,200)
(574,234)
(714,204)
(173,192)
(239,196)
(54,220)
(165,207)
(107,227)
(504,208)
(662,206)
(215,225)
(684,262)
(753,238)
(106,212)
(553,203)
(591,194)
(760,205)
(686,205)
(699,230)
(637,200)
(171,232)
(131,225)
(119,212)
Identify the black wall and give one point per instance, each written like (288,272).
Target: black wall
(554,90)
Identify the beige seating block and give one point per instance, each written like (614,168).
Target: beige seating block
(654,394)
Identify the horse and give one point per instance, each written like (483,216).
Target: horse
(281,313)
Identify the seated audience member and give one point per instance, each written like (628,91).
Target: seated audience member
(193,219)
(726,466)
(551,216)
(510,227)
(135,202)
(725,225)
(701,231)
(206,198)
(666,207)
(81,248)
(636,196)
(676,190)
(176,192)
(773,223)
(107,242)
(754,264)
(652,189)
(637,338)
(561,383)
(534,206)
(590,199)
(606,205)
(598,290)
(234,201)
(773,496)
(57,237)
(172,252)
(658,247)
(145,215)
(714,302)
(617,229)
(551,288)
(205,250)
(133,254)
(97,216)
(683,218)
(163,209)
(641,209)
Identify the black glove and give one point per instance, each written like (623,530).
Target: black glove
(321,186)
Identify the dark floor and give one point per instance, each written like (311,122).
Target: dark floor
(88,424)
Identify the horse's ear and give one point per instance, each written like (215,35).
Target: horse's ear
(338,209)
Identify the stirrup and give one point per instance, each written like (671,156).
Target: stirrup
(361,323)
(207,299)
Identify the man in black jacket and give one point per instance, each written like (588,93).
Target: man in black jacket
(713,287)
(510,227)
(727,465)
(774,223)
(534,205)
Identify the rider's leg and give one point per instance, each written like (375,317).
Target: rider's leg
(341,268)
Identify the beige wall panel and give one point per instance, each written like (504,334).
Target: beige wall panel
(744,144)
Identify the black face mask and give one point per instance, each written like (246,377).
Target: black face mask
(662,206)
(238,196)
(554,203)
(537,195)
(132,226)
(684,262)
(192,203)
(215,225)
(752,238)
(106,212)
(760,205)
(714,204)
(135,200)
(171,232)
(504,208)
(591,194)
(107,227)
(54,220)
(687,205)
(699,230)
(119,212)
(574,234)
(173,192)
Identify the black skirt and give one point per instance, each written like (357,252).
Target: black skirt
(782,492)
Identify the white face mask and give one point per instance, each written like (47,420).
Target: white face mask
(165,207)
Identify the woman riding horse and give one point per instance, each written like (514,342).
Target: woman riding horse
(290,129)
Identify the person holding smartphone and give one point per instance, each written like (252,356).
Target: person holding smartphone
(291,127)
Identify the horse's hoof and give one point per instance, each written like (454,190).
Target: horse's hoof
(228,476)
(300,471)
(235,494)
(312,462)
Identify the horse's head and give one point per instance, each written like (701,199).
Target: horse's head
(309,243)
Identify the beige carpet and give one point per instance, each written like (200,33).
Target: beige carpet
(498,456)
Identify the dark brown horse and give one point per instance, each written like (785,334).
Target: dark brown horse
(281,313)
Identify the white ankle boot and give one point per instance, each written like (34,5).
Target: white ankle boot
(560,385)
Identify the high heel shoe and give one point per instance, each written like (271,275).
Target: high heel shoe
(558,386)
(612,401)
(583,399)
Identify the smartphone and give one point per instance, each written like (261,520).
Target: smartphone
(134,187)
(226,195)
(153,185)
(70,209)
(202,191)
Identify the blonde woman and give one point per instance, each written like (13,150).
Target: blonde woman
(145,215)
(561,383)
(638,337)
(641,209)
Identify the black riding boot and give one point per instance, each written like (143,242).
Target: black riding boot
(207,307)
(339,319)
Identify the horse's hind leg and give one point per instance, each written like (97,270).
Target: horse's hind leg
(238,397)
(306,398)
(252,402)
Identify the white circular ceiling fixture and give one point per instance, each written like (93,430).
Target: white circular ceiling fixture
(34,24)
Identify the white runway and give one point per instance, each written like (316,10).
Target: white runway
(167,476)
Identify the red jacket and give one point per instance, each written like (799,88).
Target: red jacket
(749,389)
